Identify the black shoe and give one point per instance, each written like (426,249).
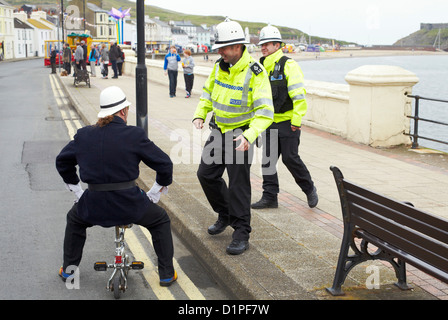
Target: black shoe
(264,203)
(217,228)
(312,198)
(237,247)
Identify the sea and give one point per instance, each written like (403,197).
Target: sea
(432,71)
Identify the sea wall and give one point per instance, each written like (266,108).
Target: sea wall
(371,109)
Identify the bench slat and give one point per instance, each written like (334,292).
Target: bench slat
(433,231)
(440,226)
(416,244)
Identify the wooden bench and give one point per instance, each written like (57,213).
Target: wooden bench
(401,233)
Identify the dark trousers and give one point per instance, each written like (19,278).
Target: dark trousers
(157,222)
(119,68)
(232,203)
(68,67)
(53,67)
(105,69)
(287,145)
(114,67)
(172,76)
(189,79)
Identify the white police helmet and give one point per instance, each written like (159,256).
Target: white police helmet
(270,34)
(229,33)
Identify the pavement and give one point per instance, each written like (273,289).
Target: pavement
(293,249)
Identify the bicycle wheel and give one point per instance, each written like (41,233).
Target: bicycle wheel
(117,286)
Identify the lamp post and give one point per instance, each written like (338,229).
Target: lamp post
(140,70)
(62,20)
(61,23)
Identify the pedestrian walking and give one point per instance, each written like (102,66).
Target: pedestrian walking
(188,65)
(79,55)
(113,57)
(238,92)
(171,68)
(104,60)
(92,60)
(53,60)
(108,155)
(120,61)
(283,136)
(67,58)
(83,62)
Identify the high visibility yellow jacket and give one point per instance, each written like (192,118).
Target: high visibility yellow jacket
(296,88)
(239,96)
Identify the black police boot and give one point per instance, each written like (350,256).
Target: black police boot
(237,247)
(218,227)
(265,203)
(312,198)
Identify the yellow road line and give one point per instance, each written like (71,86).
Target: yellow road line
(184,281)
(149,272)
(72,127)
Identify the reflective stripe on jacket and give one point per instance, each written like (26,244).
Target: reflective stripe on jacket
(296,88)
(239,96)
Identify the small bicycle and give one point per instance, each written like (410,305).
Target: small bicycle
(118,282)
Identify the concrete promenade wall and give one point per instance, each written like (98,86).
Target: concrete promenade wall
(371,109)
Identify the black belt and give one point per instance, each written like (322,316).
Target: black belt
(112,186)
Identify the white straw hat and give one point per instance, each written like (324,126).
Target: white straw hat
(112,100)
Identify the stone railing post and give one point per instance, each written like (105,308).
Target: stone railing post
(378,105)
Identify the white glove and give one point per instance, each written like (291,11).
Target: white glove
(156,191)
(77,189)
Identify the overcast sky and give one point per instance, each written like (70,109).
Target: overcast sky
(368,22)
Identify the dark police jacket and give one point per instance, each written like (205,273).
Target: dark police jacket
(112,154)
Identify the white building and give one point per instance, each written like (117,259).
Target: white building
(41,16)
(158,34)
(203,36)
(6,31)
(104,27)
(197,35)
(188,27)
(23,39)
(180,37)
(41,33)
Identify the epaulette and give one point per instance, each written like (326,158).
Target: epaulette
(256,68)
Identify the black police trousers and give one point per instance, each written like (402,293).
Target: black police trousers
(278,140)
(157,222)
(232,202)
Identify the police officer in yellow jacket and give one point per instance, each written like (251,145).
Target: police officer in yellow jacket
(239,94)
(283,136)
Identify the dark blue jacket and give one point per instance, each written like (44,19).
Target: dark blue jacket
(112,154)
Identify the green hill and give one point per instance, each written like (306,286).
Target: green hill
(425,37)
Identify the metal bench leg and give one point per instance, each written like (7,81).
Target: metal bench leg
(341,273)
(401,276)
(345,261)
